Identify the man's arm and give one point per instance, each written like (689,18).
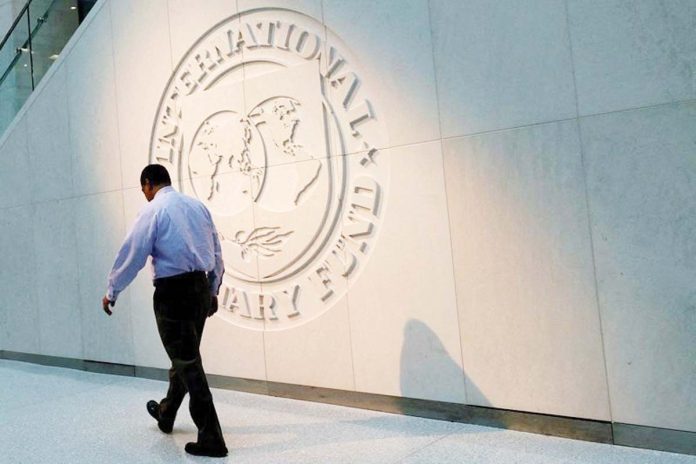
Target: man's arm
(219,270)
(131,257)
(215,276)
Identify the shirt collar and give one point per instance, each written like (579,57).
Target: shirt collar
(164,190)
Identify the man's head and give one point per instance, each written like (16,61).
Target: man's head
(153,178)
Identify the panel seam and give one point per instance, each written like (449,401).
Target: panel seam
(447,205)
(589,215)
(120,162)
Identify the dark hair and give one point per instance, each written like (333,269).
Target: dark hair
(156,174)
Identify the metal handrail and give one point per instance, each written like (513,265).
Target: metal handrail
(13,50)
(14,24)
(30,34)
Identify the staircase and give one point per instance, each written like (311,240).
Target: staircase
(30,44)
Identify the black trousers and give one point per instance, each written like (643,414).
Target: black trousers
(181,307)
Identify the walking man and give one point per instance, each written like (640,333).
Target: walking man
(179,234)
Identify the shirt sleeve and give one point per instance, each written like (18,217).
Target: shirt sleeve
(215,276)
(133,254)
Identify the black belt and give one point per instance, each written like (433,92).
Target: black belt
(180,278)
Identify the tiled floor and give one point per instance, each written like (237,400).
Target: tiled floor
(51,415)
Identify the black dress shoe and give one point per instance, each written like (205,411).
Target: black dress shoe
(206,450)
(153,408)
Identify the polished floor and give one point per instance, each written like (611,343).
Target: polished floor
(52,415)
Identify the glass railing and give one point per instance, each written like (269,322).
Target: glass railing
(33,42)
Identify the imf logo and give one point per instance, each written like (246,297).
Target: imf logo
(267,122)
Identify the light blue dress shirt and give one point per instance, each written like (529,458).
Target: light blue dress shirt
(178,232)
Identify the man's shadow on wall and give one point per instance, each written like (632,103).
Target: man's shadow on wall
(428,372)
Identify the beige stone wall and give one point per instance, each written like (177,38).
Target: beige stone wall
(530,190)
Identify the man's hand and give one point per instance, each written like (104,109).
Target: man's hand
(105,305)
(213,306)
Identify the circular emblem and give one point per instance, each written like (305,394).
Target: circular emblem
(267,121)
